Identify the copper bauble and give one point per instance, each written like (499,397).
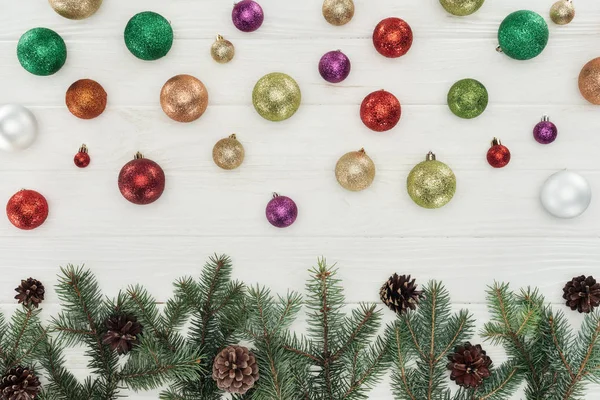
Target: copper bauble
(562,12)
(184,98)
(355,171)
(589,81)
(228,153)
(338,12)
(222,50)
(141,181)
(75,9)
(27,209)
(86,99)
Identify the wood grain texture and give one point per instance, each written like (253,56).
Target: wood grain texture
(494,229)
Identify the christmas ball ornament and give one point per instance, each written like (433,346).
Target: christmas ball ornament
(467,98)
(184,98)
(141,181)
(222,51)
(498,156)
(82,158)
(334,66)
(566,194)
(41,51)
(27,209)
(392,37)
(338,12)
(355,171)
(281,211)
(545,132)
(523,35)
(148,36)
(247,15)
(86,99)
(461,7)
(562,12)
(18,127)
(276,96)
(228,153)
(75,9)
(380,111)
(431,184)
(589,81)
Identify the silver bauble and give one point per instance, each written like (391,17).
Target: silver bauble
(18,127)
(566,194)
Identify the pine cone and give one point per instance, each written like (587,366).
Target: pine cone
(123,330)
(469,365)
(235,369)
(582,294)
(399,293)
(19,384)
(30,292)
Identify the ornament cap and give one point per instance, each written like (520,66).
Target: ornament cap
(275,194)
(83,148)
(233,136)
(138,156)
(220,38)
(362,150)
(545,118)
(430,156)
(496,142)
(499,49)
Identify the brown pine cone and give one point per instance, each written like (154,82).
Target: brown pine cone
(469,365)
(19,384)
(30,292)
(235,369)
(122,333)
(400,294)
(582,294)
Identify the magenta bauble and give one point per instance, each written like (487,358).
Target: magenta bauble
(281,211)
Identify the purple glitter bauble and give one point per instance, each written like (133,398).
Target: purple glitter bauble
(281,211)
(334,66)
(247,15)
(545,132)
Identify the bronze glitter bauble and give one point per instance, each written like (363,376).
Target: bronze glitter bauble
(589,81)
(562,12)
(431,184)
(86,99)
(184,98)
(228,153)
(75,9)
(222,51)
(355,171)
(338,12)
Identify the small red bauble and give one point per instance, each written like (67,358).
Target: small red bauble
(498,156)
(392,37)
(141,181)
(380,111)
(82,159)
(27,209)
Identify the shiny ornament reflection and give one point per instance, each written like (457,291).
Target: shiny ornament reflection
(562,12)
(86,99)
(431,184)
(392,37)
(467,98)
(228,153)
(18,127)
(355,171)
(380,111)
(222,51)
(461,7)
(276,96)
(566,194)
(589,81)
(27,209)
(338,12)
(184,98)
(281,211)
(75,9)
(523,35)
(42,51)
(141,181)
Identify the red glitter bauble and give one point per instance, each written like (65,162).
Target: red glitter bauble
(141,181)
(27,209)
(392,37)
(498,155)
(82,159)
(380,111)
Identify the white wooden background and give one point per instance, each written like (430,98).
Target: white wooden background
(494,229)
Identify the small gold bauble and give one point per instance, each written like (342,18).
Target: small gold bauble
(562,12)
(228,153)
(184,98)
(222,51)
(589,81)
(355,171)
(75,9)
(431,184)
(338,12)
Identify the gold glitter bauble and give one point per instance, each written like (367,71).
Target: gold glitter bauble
(75,9)
(276,96)
(562,12)
(222,51)
(355,171)
(228,153)
(431,184)
(338,12)
(589,81)
(184,98)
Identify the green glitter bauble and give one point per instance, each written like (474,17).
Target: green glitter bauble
(148,36)
(42,51)
(467,98)
(431,184)
(523,35)
(276,96)
(461,7)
